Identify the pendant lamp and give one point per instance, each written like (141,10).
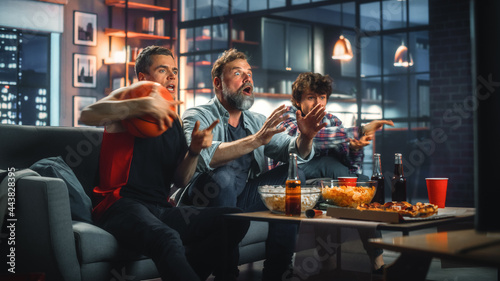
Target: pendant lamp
(342,49)
(403,58)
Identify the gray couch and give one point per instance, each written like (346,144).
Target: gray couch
(47,239)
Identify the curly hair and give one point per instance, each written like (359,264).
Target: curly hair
(314,82)
(144,60)
(226,57)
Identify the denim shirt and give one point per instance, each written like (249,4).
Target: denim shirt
(278,148)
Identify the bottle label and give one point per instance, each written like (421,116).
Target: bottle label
(293,198)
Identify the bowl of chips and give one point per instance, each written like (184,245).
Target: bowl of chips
(352,195)
(273,197)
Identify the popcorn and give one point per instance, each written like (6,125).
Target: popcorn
(274,197)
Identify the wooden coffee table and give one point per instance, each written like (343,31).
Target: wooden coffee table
(463,215)
(417,251)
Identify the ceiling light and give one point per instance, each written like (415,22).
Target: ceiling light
(403,58)
(342,49)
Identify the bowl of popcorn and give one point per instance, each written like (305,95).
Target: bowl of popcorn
(348,194)
(273,197)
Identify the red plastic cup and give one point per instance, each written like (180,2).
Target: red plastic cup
(436,189)
(348,181)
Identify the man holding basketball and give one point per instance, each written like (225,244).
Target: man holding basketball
(235,164)
(186,243)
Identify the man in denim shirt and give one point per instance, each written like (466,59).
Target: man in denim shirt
(233,167)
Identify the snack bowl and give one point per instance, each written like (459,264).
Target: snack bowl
(273,197)
(347,195)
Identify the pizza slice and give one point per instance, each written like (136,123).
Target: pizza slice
(403,208)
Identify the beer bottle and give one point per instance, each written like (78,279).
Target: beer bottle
(292,192)
(377,176)
(398,180)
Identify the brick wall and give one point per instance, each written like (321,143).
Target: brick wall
(452,102)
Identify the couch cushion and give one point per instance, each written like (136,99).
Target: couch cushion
(80,203)
(23,145)
(257,232)
(94,244)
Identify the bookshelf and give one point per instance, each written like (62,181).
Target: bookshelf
(133,26)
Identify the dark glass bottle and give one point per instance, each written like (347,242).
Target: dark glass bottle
(398,180)
(293,194)
(377,176)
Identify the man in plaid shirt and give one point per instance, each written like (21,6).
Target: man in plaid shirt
(339,150)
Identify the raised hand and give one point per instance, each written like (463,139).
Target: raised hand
(369,133)
(358,144)
(372,127)
(201,138)
(270,127)
(161,109)
(310,124)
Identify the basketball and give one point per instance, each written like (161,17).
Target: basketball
(145,126)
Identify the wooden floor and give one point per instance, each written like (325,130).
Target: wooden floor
(253,272)
(438,271)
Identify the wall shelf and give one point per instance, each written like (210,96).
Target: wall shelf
(245,42)
(206,38)
(129,63)
(160,20)
(131,34)
(199,91)
(200,63)
(137,6)
(273,95)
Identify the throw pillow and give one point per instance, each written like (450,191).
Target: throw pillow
(80,203)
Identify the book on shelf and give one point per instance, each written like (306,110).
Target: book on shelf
(145,25)
(160,27)
(150,25)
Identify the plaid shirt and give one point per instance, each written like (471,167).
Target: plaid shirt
(331,140)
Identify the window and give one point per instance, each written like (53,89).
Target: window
(24,77)
(198,50)
(368,87)
(399,91)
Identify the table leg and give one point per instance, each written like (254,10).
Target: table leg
(408,267)
(339,249)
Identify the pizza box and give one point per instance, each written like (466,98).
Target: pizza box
(350,213)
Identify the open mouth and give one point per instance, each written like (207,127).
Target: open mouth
(171,88)
(247,90)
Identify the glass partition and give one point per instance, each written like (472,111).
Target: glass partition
(257,5)
(276,3)
(419,13)
(419,49)
(239,6)
(370,56)
(394,14)
(369,16)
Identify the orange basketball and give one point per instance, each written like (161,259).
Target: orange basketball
(145,126)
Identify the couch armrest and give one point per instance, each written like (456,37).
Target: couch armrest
(44,235)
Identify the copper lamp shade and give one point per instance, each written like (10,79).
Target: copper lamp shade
(403,58)
(342,49)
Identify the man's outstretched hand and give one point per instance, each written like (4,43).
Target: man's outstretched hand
(270,127)
(369,133)
(310,124)
(201,139)
(376,125)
